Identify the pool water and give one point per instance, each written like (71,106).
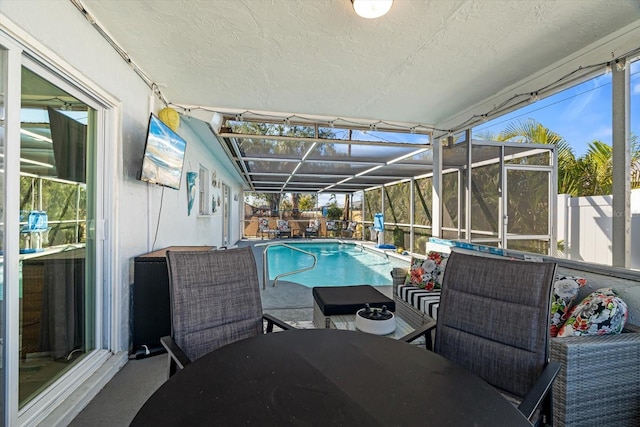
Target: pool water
(339,264)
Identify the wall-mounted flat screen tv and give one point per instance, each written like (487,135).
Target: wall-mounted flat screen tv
(163,155)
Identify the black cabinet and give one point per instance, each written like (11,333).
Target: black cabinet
(151,304)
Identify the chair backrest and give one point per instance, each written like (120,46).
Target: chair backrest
(215,298)
(493,319)
(263,224)
(332,225)
(314,224)
(283,225)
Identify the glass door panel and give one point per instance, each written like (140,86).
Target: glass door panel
(57,302)
(3,301)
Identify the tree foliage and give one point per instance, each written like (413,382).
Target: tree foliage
(308,202)
(589,175)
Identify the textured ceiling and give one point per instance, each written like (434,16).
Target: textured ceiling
(424,62)
(428,65)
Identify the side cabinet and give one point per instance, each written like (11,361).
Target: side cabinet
(151,304)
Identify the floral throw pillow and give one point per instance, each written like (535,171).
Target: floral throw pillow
(565,291)
(426,273)
(600,313)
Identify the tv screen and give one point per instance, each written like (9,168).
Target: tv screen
(163,155)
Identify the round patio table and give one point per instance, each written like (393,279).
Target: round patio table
(325,377)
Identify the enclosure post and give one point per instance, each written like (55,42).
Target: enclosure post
(436,205)
(621,221)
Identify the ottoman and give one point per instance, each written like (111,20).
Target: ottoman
(339,300)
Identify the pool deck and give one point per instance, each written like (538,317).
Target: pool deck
(293,302)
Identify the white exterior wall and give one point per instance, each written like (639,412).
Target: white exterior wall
(584,223)
(70,39)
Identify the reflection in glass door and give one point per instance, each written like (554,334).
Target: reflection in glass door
(57,298)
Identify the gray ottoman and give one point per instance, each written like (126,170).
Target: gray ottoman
(339,300)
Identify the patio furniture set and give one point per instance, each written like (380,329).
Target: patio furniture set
(344,229)
(278,378)
(282,228)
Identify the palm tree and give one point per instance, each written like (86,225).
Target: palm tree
(589,175)
(596,168)
(530,131)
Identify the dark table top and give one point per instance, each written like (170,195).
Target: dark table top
(325,377)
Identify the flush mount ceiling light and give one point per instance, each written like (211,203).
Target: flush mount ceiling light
(371,8)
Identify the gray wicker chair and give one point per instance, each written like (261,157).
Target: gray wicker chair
(494,320)
(215,300)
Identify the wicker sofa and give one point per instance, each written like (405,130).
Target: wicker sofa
(424,312)
(599,382)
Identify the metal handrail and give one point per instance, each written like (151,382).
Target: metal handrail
(289,273)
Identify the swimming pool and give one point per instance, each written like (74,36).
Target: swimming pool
(339,264)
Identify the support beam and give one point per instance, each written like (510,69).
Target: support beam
(436,206)
(412,217)
(621,222)
(468,182)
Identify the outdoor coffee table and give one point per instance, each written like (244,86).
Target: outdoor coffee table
(345,300)
(348,322)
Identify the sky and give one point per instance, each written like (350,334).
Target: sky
(580,114)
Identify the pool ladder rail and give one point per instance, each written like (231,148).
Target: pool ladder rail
(288,273)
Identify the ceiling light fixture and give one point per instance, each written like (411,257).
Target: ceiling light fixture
(371,8)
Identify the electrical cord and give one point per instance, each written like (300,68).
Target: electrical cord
(155,237)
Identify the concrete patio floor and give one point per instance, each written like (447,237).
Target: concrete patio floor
(119,401)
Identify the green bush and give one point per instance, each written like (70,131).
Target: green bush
(334,212)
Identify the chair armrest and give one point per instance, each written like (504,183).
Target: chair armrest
(175,353)
(425,331)
(540,389)
(271,320)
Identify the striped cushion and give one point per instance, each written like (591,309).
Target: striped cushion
(423,300)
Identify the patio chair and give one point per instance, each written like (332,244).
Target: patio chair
(283,228)
(215,300)
(494,320)
(348,229)
(312,229)
(263,227)
(332,228)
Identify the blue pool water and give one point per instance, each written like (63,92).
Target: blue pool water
(339,264)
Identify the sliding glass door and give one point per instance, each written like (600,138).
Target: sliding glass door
(55,310)
(57,296)
(3,299)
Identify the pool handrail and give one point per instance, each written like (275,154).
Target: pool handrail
(288,273)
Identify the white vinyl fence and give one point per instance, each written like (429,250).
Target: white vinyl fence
(584,228)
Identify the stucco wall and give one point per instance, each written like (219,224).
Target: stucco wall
(63,34)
